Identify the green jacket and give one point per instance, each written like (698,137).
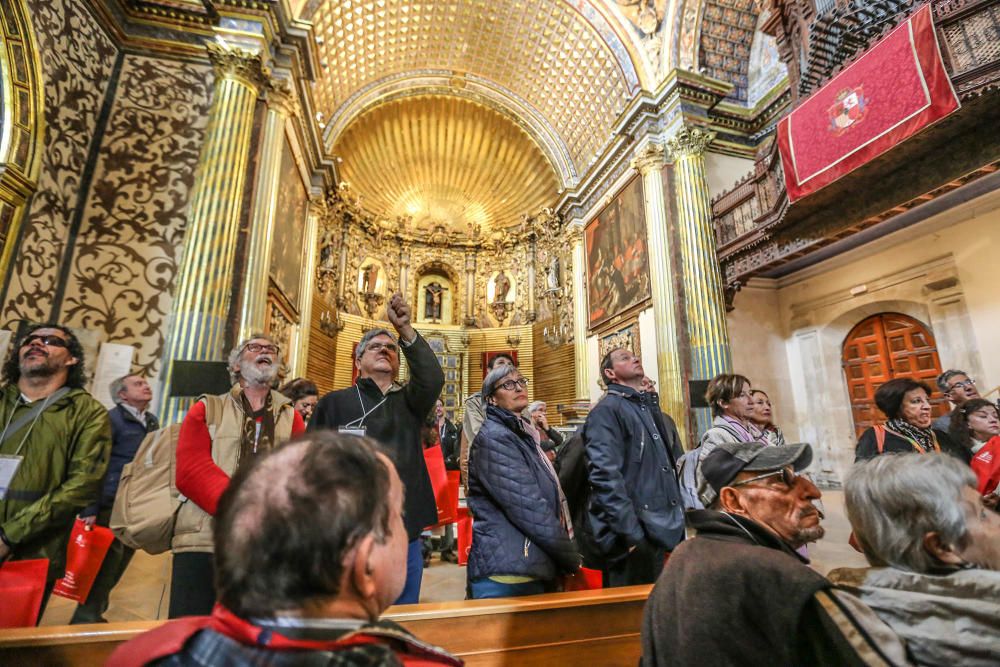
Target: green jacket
(65,457)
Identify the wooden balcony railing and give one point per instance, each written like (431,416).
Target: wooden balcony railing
(756,202)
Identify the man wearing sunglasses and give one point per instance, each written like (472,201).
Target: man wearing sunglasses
(378,407)
(54,447)
(739,593)
(219,436)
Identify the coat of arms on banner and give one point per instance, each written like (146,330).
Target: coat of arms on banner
(850,108)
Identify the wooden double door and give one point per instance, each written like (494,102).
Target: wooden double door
(883,347)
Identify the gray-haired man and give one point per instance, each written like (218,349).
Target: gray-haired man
(393,414)
(130,422)
(958,388)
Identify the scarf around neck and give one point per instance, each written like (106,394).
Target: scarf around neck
(253,440)
(924,437)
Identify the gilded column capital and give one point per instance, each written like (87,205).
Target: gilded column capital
(574,232)
(232,62)
(649,158)
(281,97)
(689,141)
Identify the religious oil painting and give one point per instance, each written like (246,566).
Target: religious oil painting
(288,240)
(617,257)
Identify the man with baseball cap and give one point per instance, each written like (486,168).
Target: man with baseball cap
(739,593)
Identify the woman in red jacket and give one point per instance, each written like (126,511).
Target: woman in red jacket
(976,425)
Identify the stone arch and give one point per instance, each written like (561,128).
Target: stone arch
(22,122)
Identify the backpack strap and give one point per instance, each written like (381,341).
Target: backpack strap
(880,437)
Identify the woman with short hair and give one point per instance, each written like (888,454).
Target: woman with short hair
(934,552)
(522,537)
(906,404)
(729,398)
(761,426)
(975,425)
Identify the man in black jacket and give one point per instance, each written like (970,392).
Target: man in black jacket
(635,513)
(739,594)
(393,415)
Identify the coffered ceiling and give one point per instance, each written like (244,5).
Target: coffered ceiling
(442,160)
(467,112)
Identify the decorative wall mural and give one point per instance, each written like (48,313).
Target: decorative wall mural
(291,210)
(766,69)
(627,337)
(125,261)
(77,60)
(617,259)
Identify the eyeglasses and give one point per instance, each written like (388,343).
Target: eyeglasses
(788,478)
(378,347)
(967,384)
(257,348)
(51,341)
(510,385)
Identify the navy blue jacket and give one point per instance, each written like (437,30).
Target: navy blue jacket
(631,453)
(127,434)
(515,504)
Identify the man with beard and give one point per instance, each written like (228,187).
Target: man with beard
(380,408)
(740,594)
(54,447)
(219,435)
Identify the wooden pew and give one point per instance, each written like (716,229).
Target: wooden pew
(585,627)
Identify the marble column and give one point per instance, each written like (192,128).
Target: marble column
(662,278)
(575,236)
(708,335)
(204,280)
(281,105)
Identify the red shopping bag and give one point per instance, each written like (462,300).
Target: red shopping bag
(22,584)
(584,580)
(454,481)
(464,535)
(86,552)
(439,482)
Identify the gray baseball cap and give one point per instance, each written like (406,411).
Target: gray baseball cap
(729,459)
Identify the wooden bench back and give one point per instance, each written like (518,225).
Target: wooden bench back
(585,627)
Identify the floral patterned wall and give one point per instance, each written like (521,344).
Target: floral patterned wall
(126,257)
(77,62)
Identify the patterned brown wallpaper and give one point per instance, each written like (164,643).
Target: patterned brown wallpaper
(77,60)
(126,256)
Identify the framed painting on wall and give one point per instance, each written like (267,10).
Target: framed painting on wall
(617,256)
(288,240)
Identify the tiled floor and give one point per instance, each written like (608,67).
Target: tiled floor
(143,592)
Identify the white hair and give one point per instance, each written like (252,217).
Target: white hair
(894,500)
(234,354)
(493,377)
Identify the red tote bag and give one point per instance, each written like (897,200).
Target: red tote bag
(434,459)
(22,583)
(86,552)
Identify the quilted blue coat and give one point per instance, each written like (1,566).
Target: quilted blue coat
(515,505)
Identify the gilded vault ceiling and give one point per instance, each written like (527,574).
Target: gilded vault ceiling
(560,56)
(443,160)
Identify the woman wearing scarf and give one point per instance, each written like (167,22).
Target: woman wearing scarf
(761,426)
(906,404)
(522,536)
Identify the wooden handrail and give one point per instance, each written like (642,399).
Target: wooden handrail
(551,629)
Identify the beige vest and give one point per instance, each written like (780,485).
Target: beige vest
(193,530)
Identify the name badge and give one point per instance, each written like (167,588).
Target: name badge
(8,468)
(352,430)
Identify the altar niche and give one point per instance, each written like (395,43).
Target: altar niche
(435,302)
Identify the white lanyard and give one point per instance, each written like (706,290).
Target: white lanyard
(30,426)
(360,421)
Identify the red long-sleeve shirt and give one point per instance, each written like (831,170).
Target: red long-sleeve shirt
(198,477)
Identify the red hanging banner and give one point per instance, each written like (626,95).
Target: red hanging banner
(889,94)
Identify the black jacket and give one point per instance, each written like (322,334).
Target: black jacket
(449,445)
(396,424)
(631,450)
(867,446)
(127,433)
(737,595)
(515,504)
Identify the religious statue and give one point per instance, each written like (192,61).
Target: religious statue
(432,300)
(501,287)
(552,273)
(369,276)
